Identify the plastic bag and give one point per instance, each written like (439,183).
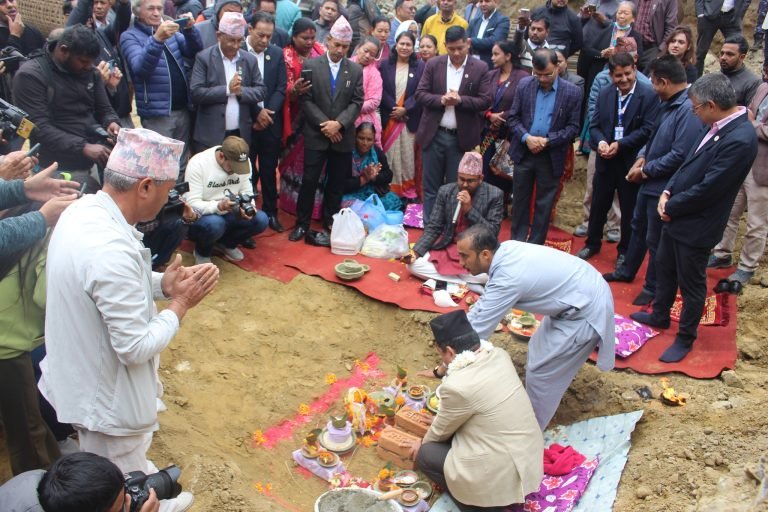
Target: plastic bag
(347,233)
(386,241)
(371,212)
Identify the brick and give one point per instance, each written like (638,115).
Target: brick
(412,421)
(397,441)
(397,460)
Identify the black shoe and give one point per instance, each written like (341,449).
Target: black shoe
(722,286)
(249,243)
(619,261)
(274,224)
(643,299)
(649,319)
(676,352)
(587,253)
(735,287)
(318,238)
(297,234)
(615,276)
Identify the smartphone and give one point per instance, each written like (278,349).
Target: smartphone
(306,74)
(82,190)
(112,64)
(591,8)
(182,22)
(34,150)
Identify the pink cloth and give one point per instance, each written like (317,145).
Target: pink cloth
(719,125)
(559,493)
(233,24)
(373,87)
(342,30)
(561,460)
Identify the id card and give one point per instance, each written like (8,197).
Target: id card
(618,133)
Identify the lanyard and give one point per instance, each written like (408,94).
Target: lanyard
(622,108)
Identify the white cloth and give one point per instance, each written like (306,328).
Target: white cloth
(335,66)
(103,332)
(129,453)
(728,5)
(577,305)
(208,180)
(452,82)
(232,112)
(260,61)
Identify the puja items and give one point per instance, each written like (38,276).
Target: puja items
(311,446)
(361,410)
(412,421)
(337,436)
(395,447)
(668,396)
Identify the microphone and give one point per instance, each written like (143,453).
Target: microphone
(456,212)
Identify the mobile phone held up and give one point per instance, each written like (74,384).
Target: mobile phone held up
(591,8)
(306,74)
(182,22)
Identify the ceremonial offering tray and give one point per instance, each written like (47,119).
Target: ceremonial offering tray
(423,489)
(406,478)
(336,447)
(328,459)
(433,403)
(382,398)
(418,392)
(349,270)
(306,452)
(409,497)
(521,324)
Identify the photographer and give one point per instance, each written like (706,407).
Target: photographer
(220,188)
(65,97)
(166,232)
(80,481)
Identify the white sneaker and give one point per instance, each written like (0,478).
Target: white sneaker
(233,254)
(199,260)
(180,503)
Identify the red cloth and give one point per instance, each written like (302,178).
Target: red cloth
(561,460)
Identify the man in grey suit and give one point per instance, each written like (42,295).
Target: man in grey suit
(330,109)
(226,85)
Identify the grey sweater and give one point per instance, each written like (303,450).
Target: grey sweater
(745,82)
(19,494)
(18,233)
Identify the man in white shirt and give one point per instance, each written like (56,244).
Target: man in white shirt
(103,332)
(487,30)
(220,189)
(226,85)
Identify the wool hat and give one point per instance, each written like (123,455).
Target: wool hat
(452,327)
(142,153)
(235,150)
(233,24)
(342,30)
(471,163)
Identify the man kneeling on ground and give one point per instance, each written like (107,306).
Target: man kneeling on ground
(220,188)
(458,206)
(484,446)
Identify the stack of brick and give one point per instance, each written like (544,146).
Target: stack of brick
(395,443)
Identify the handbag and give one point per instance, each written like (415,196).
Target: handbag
(501,164)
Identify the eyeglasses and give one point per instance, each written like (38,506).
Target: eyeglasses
(694,107)
(544,75)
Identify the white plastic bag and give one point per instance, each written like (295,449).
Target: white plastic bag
(386,241)
(347,233)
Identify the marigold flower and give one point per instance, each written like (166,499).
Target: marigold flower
(258,438)
(304,409)
(330,378)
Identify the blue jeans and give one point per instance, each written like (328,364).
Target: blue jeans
(164,239)
(646,231)
(228,230)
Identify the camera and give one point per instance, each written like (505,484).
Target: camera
(14,121)
(175,204)
(164,482)
(98,135)
(10,55)
(244,201)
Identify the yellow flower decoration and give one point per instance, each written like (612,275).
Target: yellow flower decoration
(384,474)
(399,400)
(304,409)
(330,378)
(258,438)
(364,367)
(263,488)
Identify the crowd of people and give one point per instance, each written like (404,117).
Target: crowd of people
(467,114)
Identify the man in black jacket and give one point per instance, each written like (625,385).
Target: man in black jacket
(65,97)
(695,207)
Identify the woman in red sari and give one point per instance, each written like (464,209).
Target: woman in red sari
(303,46)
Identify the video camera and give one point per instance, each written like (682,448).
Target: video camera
(164,482)
(244,201)
(14,121)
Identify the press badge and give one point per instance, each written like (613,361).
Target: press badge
(618,133)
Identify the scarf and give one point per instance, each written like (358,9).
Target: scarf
(360,162)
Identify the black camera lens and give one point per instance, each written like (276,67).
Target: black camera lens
(165,483)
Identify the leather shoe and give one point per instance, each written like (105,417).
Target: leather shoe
(677,351)
(722,286)
(249,243)
(297,234)
(615,276)
(649,319)
(587,253)
(274,224)
(319,238)
(735,287)
(643,298)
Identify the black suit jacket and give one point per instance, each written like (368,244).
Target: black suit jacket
(704,188)
(208,87)
(344,106)
(639,122)
(274,80)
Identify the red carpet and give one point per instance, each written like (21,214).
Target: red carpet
(714,350)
